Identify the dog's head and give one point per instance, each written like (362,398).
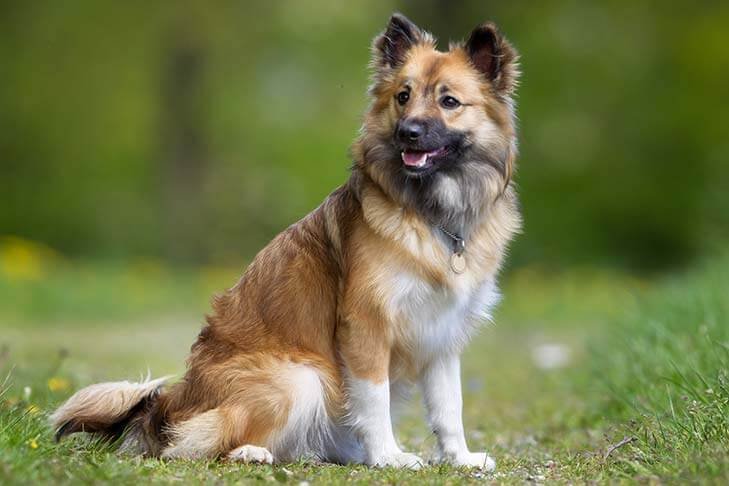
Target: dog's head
(439,133)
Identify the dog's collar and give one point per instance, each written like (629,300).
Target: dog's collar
(459,244)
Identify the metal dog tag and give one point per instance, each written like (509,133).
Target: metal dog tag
(458,263)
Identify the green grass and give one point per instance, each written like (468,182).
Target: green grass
(647,362)
(667,369)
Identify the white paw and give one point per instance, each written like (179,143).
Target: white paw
(251,453)
(470,459)
(403,460)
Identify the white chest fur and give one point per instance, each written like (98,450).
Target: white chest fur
(432,309)
(432,321)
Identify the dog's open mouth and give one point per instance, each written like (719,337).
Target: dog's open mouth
(421,159)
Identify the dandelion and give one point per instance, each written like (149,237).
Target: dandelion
(57,384)
(33,443)
(32,409)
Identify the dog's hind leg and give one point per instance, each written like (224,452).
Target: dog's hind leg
(253,419)
(281,415)
(202,436)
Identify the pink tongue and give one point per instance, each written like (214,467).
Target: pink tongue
(414,159)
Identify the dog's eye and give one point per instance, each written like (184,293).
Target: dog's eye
(449,102)
(403,97)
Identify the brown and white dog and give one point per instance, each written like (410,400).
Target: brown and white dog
(377,289)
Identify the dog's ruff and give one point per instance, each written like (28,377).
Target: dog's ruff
(342,312)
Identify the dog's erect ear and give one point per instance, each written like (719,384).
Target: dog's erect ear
(493,56)
(391,47)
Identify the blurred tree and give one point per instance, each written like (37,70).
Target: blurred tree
(184,150)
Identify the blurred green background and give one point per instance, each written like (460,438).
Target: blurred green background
(149,149)
(191,132)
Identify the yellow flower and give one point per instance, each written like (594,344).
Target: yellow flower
(32,409)
(22,259)
(33,443)
(58,384)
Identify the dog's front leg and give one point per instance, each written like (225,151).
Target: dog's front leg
(366,357)
(441,384)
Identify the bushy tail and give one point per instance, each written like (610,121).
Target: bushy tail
(111,409)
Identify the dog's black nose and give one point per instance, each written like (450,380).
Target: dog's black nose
(410,130)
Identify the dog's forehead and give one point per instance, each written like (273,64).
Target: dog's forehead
(428,68)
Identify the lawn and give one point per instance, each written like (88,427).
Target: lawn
(584,375)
